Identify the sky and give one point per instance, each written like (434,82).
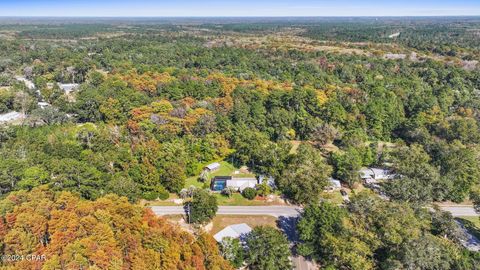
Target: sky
(237,8)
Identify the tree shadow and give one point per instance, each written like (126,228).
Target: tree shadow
(470,226)
(289,226)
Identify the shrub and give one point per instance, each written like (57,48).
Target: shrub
(150,195)
(163,193)
(249,193)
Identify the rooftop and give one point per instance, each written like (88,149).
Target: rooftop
(233,231)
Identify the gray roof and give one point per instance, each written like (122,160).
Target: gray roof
(213,166)
(242,182)
(68,87)
(335,183)
(11,116)
(376,173)
(233,231)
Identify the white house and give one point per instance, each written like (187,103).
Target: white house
(372,175)
(68,87)
(219,183)
(43,104)
(233,231)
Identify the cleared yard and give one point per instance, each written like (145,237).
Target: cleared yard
(226,169)
(235,200)
(238,199)
(222,221)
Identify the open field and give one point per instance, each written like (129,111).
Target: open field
(226,169)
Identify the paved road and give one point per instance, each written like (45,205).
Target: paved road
(276,211)
(285,211)
(459,211)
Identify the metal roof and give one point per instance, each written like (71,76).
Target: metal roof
(213,166)
(233,231)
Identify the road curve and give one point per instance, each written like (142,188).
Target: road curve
(286,211)
(274,210)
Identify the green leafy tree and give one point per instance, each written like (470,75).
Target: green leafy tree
(306,175)
(233,251)
(76,176)
(202,207)
(33,177)
(348,165)
(267,249)
(316,223)
(417,179)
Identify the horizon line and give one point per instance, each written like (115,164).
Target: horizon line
(240,16)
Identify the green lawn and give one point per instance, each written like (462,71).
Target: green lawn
(226,169)
(221,221)
(295,145)
(334,197)
(238,200)
(193,181)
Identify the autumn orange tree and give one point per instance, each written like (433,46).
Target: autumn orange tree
(109,233)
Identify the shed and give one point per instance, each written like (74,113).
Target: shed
(212,167)
(334,183)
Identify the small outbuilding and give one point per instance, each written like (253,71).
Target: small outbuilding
(334,183)
(212,167)
(233,231)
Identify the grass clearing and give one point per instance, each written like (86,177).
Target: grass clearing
(295,145)
(235,200)
(222,221)
(238,200)
(193,181)
(226,169)
(334,197)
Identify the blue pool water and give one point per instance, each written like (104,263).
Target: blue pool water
(219,185)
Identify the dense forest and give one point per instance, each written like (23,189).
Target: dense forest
(158,100)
